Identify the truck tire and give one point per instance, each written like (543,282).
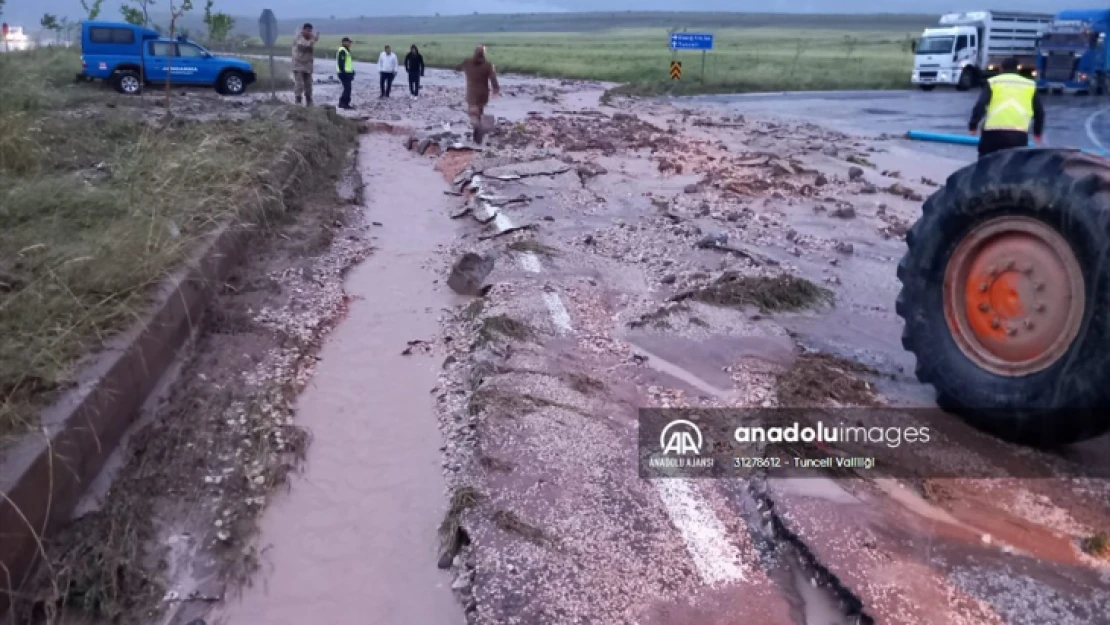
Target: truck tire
(967,80)
(1005,291)
(231,82)
(127,82)
(927,87)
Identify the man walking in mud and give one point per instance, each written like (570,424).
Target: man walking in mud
(481,80)
(1009,102)
(304,53)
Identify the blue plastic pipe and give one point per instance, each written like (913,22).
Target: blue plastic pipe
(943,137)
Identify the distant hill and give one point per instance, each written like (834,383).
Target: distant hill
(586,22)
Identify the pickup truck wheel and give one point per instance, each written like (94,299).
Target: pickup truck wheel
(231,83)
(1003,296)
(128,82)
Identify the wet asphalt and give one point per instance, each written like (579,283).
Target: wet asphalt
(1072,121)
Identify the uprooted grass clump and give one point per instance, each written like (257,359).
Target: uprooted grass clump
(534,247)
(104,207)
(783,293)
(508,521)
(497,327)
(452,536)
(821,379)
(1098,545)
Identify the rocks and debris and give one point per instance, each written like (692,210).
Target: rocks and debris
(845,248)
(843,212)
(904,191)
(417,344)
(860,160)
(854,173)
(469,272)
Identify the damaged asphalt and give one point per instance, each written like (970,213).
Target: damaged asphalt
(666,254)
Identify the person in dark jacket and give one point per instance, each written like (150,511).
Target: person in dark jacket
(345,69)
(481,83)
(414,66)
(1008,102)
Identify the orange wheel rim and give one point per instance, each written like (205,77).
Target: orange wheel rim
(1013,296)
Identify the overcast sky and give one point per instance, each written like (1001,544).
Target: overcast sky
(28,12)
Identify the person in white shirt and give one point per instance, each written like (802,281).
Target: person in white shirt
(387,67)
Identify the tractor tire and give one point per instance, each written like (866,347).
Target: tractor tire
(1005,287)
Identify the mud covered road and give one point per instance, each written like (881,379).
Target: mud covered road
(644,254)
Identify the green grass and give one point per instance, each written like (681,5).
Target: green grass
(745,60)
(98,206)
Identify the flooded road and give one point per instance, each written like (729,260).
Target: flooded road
(355,539)
(1071,121)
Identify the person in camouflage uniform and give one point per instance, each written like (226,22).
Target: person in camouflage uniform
(304,54)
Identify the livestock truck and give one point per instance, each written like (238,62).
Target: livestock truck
(967,48)
(1073,53)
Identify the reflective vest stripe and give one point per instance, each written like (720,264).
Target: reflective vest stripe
(348,66)
(1011,105)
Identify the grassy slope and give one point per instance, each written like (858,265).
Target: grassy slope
(757,59)
(96,207)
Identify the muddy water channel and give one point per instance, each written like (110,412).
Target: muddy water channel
(354,541)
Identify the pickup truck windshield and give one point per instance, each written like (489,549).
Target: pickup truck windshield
(935,45)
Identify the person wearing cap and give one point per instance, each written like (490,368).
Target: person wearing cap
(1007,105)
(345,69)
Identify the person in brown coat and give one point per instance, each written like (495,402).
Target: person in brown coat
(304,55)
(481,80)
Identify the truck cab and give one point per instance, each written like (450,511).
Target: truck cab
(129,56)
(942,55)
(967,48)
(1073,53)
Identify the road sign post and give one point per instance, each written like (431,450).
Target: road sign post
(267,30)
(6,30)
(691,41)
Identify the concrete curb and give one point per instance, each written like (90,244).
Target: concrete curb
(44,475)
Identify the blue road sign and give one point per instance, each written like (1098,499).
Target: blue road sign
(691,41)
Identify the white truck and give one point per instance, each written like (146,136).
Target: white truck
(967,48)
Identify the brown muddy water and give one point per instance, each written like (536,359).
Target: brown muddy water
(355,539)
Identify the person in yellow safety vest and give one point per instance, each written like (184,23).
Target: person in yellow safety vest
(1009,102)
(345,68)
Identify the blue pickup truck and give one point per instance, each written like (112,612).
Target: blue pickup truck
(127,56)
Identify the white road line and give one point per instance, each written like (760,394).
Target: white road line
(558,312)
(530,262)
(1090,128)
(717,560)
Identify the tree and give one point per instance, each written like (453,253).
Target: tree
(50,22)
(138,13)
(92,9)
(131,15)
(176,11)
(219,24)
